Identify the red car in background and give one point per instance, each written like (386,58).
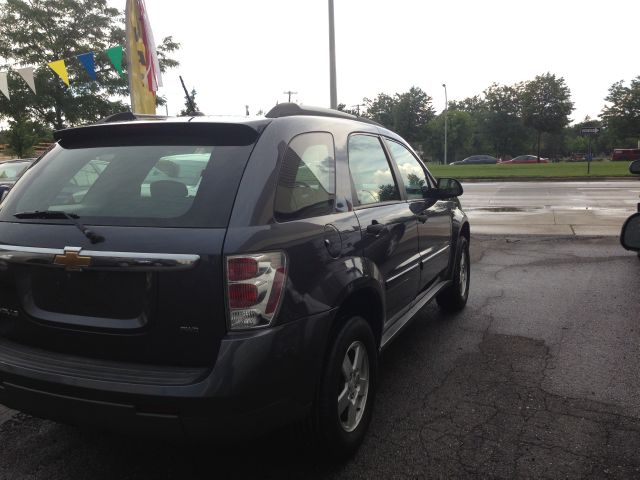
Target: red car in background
(626,154)
(525,159)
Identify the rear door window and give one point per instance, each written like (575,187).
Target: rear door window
(373,180)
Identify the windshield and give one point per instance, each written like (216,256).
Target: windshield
(146,185)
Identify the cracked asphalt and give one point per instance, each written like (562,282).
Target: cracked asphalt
(537,378)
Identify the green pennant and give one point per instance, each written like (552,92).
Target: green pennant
(115,55)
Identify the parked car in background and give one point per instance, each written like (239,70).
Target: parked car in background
(12,170)
(628,154)
(476,160)
(221,277)
(525,159)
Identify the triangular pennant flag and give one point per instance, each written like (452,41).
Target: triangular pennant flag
(4,85)
(89,63)
(27,75)
(115,55)
(61,69)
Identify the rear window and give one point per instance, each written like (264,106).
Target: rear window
(138,185)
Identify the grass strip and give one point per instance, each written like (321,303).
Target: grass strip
(549,170)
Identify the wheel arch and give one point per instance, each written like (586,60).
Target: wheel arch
(365,301)
(461,228)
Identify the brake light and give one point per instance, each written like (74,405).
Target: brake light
(242,295)
(242,268)
(255,285)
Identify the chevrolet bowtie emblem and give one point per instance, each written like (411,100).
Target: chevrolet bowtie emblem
(71,260)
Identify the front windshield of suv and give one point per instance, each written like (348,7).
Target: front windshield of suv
(155,185)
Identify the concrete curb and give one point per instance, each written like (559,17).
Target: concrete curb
(549,179)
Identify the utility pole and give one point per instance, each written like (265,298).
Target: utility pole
(446,113)
(289,92)
(357,107)
(332,59)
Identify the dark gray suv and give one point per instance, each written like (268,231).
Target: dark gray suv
(199,276)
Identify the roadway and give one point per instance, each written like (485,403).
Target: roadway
(536,378)
(550,208)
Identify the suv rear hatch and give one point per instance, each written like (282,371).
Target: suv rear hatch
(110,245)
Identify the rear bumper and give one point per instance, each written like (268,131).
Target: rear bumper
(261,380)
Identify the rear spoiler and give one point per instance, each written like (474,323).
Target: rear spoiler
(129,117)
(158,133)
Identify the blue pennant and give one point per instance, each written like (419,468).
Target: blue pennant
(89,64)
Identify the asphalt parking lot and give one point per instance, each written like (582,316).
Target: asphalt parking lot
(536,378)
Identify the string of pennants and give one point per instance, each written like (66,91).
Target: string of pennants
(60,68)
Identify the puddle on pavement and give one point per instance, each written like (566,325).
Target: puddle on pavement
(504,209)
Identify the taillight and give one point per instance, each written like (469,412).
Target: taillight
(255,285)
(241,268)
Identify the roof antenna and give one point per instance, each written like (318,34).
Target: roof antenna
(192,107)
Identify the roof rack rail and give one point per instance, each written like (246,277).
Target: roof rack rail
(291,109)
(130,117)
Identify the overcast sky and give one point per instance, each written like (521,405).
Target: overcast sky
(248,52)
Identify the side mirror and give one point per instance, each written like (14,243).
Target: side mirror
(4,195)
(634,167)
(630,235)
(446,188)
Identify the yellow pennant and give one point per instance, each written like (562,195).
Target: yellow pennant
(61,69)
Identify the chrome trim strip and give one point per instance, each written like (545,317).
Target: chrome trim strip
(436,253)
(410,260)
(100,260)
(398,275)
(426,252)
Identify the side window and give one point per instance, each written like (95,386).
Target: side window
(412,173)
(370,171)
(307,181)
(82,181)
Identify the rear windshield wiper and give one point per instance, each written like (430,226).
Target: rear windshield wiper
(59,214)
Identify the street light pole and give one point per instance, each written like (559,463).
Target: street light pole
(332,59)
(446,113)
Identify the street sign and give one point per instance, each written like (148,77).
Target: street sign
(590,131)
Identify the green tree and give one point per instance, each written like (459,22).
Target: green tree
(412,112)
(470,104)
(502,123)
(342,107)
(546,105)
(21,137)
(415,180)
(622,116)
(188,109)
(459,136)
(406,113)
(381,109)
(35,32)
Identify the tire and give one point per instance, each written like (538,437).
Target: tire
(454,297)
(347,390)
